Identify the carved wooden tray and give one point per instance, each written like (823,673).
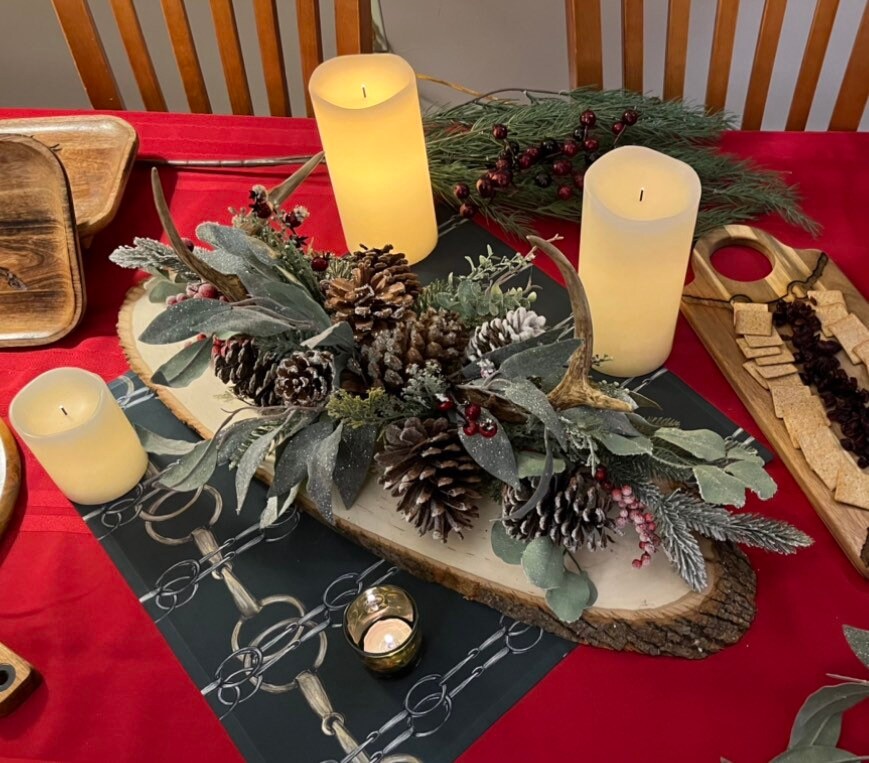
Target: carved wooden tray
(650,610)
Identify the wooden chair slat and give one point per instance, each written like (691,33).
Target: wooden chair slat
(726,15)
(678,16)
(268,32)
(186,57)
(310,43)
(353,26)
(813,60)
(229,45)
(88,53)
(137,52)
(584,46)
(764,59)
(632,45)
(854,90)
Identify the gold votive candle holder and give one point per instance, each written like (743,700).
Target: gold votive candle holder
(382,626)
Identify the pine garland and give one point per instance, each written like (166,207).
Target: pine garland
(461,147)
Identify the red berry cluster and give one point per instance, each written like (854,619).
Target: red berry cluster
(264,209)
(632,510)
(471,416)
(552,158)
(197,290)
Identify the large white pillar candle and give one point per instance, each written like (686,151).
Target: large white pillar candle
(639,210)
(78,432)
(370,124)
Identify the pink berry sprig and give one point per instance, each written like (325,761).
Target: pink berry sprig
(634,512)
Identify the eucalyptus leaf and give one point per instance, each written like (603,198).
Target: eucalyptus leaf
(250,462)
(818,755)
(162,446)
(507,549)
(719,487)
(192,470)
(543,563)
(185,366)
(701,443)
(541,360)
(355,454)
(624,446)
(494,454)
(532,464)
(820,706)
(183,320)
(571,598)
(321,466)
(163,288)
(858,640)
(524,394)
(754,477)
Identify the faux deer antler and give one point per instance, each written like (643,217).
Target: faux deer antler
(575,388)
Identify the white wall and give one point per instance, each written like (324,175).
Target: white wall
(483,45)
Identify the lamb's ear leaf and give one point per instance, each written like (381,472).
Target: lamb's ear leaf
(193,469)
(186,365)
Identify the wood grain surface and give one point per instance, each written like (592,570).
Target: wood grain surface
(18,679)
(650,611)
(714,326)
(10,475)
(97,153)
(38,244)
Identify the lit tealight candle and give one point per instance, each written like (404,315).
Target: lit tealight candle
(78,432)
(639,210)
(386,635)
(370,124)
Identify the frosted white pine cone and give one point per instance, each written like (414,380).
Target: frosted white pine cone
(516,326)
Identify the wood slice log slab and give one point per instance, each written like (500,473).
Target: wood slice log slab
(650,611)
(98,154)
(714,325)
(38,246)
(10,475)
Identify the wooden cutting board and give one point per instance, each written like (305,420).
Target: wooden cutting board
(39,248)
(650,610)
(98,154)
(10,475)
(714,325)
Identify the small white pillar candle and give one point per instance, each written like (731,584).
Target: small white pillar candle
(78,432)
(370,124)
(386,635)
(639,210)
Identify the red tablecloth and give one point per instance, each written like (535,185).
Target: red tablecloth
(113,690)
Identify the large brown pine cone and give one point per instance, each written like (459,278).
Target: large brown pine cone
(425,465)
(251,373)
(304,378)
(436,335)
(575,513)
(391,263)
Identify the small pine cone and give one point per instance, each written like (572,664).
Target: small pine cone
(392,264)
(425,465)
(575,513)
(516,326)
(436,335)
(304,378)
(370,301)
(251,373)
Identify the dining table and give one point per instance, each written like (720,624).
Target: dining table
(113,690)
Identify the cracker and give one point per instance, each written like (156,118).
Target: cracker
(823,453)
(826,297)
(785,356)
(829,314)
(804,417)
(751,367)
(850,332)
(755,352)
(791,380)
(772,372)
(852,485)
(751,319)
(862,352)
(764,341)
(782,395)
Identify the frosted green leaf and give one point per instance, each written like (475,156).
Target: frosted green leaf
(182,321)
(531,464)
(277,506)
(185,366)
(810,725)
(163,288)
(524,394)
(754,477)
(162,446)
(543,563)
(818,755)
(250,462)
(354,461)
(507,549)
(718,487)
(542,360)
(494,454)
(701,443)
(572,597)
(193,469)
(859,642)
(624,446)
(321,466)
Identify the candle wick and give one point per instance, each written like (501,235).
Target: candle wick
(63,410)
(642,191)
(364,93)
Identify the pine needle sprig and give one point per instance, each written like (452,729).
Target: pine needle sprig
(153,257)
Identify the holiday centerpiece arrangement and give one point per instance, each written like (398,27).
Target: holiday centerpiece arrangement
(458,397)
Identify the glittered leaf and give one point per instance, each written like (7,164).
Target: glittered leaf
(163,288)
(289,299)
(542,360)
(242,320)
(607,421)
(236,242)
(571,598)
(524,394)
(192,470)
(743,453)
(494,454)
(531,464)
(754,477)
(542,488)
(507,549)
(338,337)
(354,461)
(818,755)
(701,443)
(250,462)
(500,354)
(858,640)
(233,436)
(185,366)
(624,446)
(642,401)
(277,506)
(543,563)
(292,465)
(810,725)
(182,321)
(718,487)
(162,446)
(321,466)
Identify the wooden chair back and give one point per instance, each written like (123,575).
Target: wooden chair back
(586,59)
(353,35)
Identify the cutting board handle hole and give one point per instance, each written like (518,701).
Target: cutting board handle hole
(7,676)
(741,263)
